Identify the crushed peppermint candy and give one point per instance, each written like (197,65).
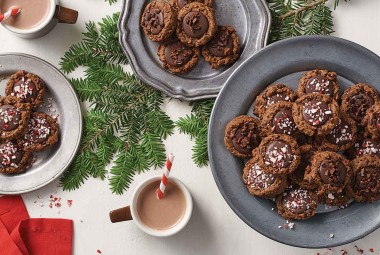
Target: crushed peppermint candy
(278,154)
(316,112)
(318,84)
(39,130)
(283,123)
(367,147)
(332,235)
(257,179)
(25,89)
(277,98)
(10,117)
(298,200)
(331,196)
(10,154)
(341,134)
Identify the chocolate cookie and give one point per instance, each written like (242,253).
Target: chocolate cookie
(223,49)
(159,20)
(177,57)
(42,132)
(298,204)
(26,86)
(319,82)
(365,184)
(12,158)
(242,135)
(330,171)
(357,99)
(14,116)
(371,121)
(260,183)
(336,199)
(272,94)
(298,176)
(342,137)
(279,154)
(315,114)
(179,4)
(196,24)
(278,119)
(362,147)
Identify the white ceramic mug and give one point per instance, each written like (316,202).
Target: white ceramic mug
(57,14)
(130,212)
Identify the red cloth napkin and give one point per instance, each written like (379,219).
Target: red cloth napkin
(20,235)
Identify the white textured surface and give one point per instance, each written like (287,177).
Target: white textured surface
(214,228)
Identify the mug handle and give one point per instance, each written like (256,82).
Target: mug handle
(65,15)
(121,214)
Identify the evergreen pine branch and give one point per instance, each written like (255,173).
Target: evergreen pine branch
(125,124)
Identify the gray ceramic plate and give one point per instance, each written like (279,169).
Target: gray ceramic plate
(51,163)
(251,18)
(285,62)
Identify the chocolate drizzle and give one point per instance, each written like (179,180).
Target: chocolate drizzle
(195,24)
(154,20)
(177,54)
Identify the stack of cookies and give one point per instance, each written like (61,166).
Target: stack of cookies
(23,129)
(185,29)
(312,146)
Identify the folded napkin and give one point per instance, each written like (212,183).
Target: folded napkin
(20,235)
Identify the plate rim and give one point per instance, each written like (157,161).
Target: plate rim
(80,133)
(212,119)
(133,63)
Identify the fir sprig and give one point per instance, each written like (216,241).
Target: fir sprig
(125,123)
(195,125)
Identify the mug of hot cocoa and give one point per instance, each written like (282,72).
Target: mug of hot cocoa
(37,17)
(158,217)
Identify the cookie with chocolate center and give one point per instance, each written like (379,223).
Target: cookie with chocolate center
(336,198)
(298,176)
(179,4)
(278,119)
(298,204)
(42,132)
(357,99)
(12,158)
(279,154)
(177,57)
(14,116)
(365,184)
(271,95)
(223,49)
(330,171)
(196,24)
(26,86)
(260,183)
(371,121)
(319,82)
(242,135)
(315,114)
(342,137)
(158,20)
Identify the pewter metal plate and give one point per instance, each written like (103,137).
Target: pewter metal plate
(285,62)
(51,163)
(251,18)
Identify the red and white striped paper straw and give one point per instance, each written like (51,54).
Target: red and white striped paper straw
(165,176)
(13,11)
